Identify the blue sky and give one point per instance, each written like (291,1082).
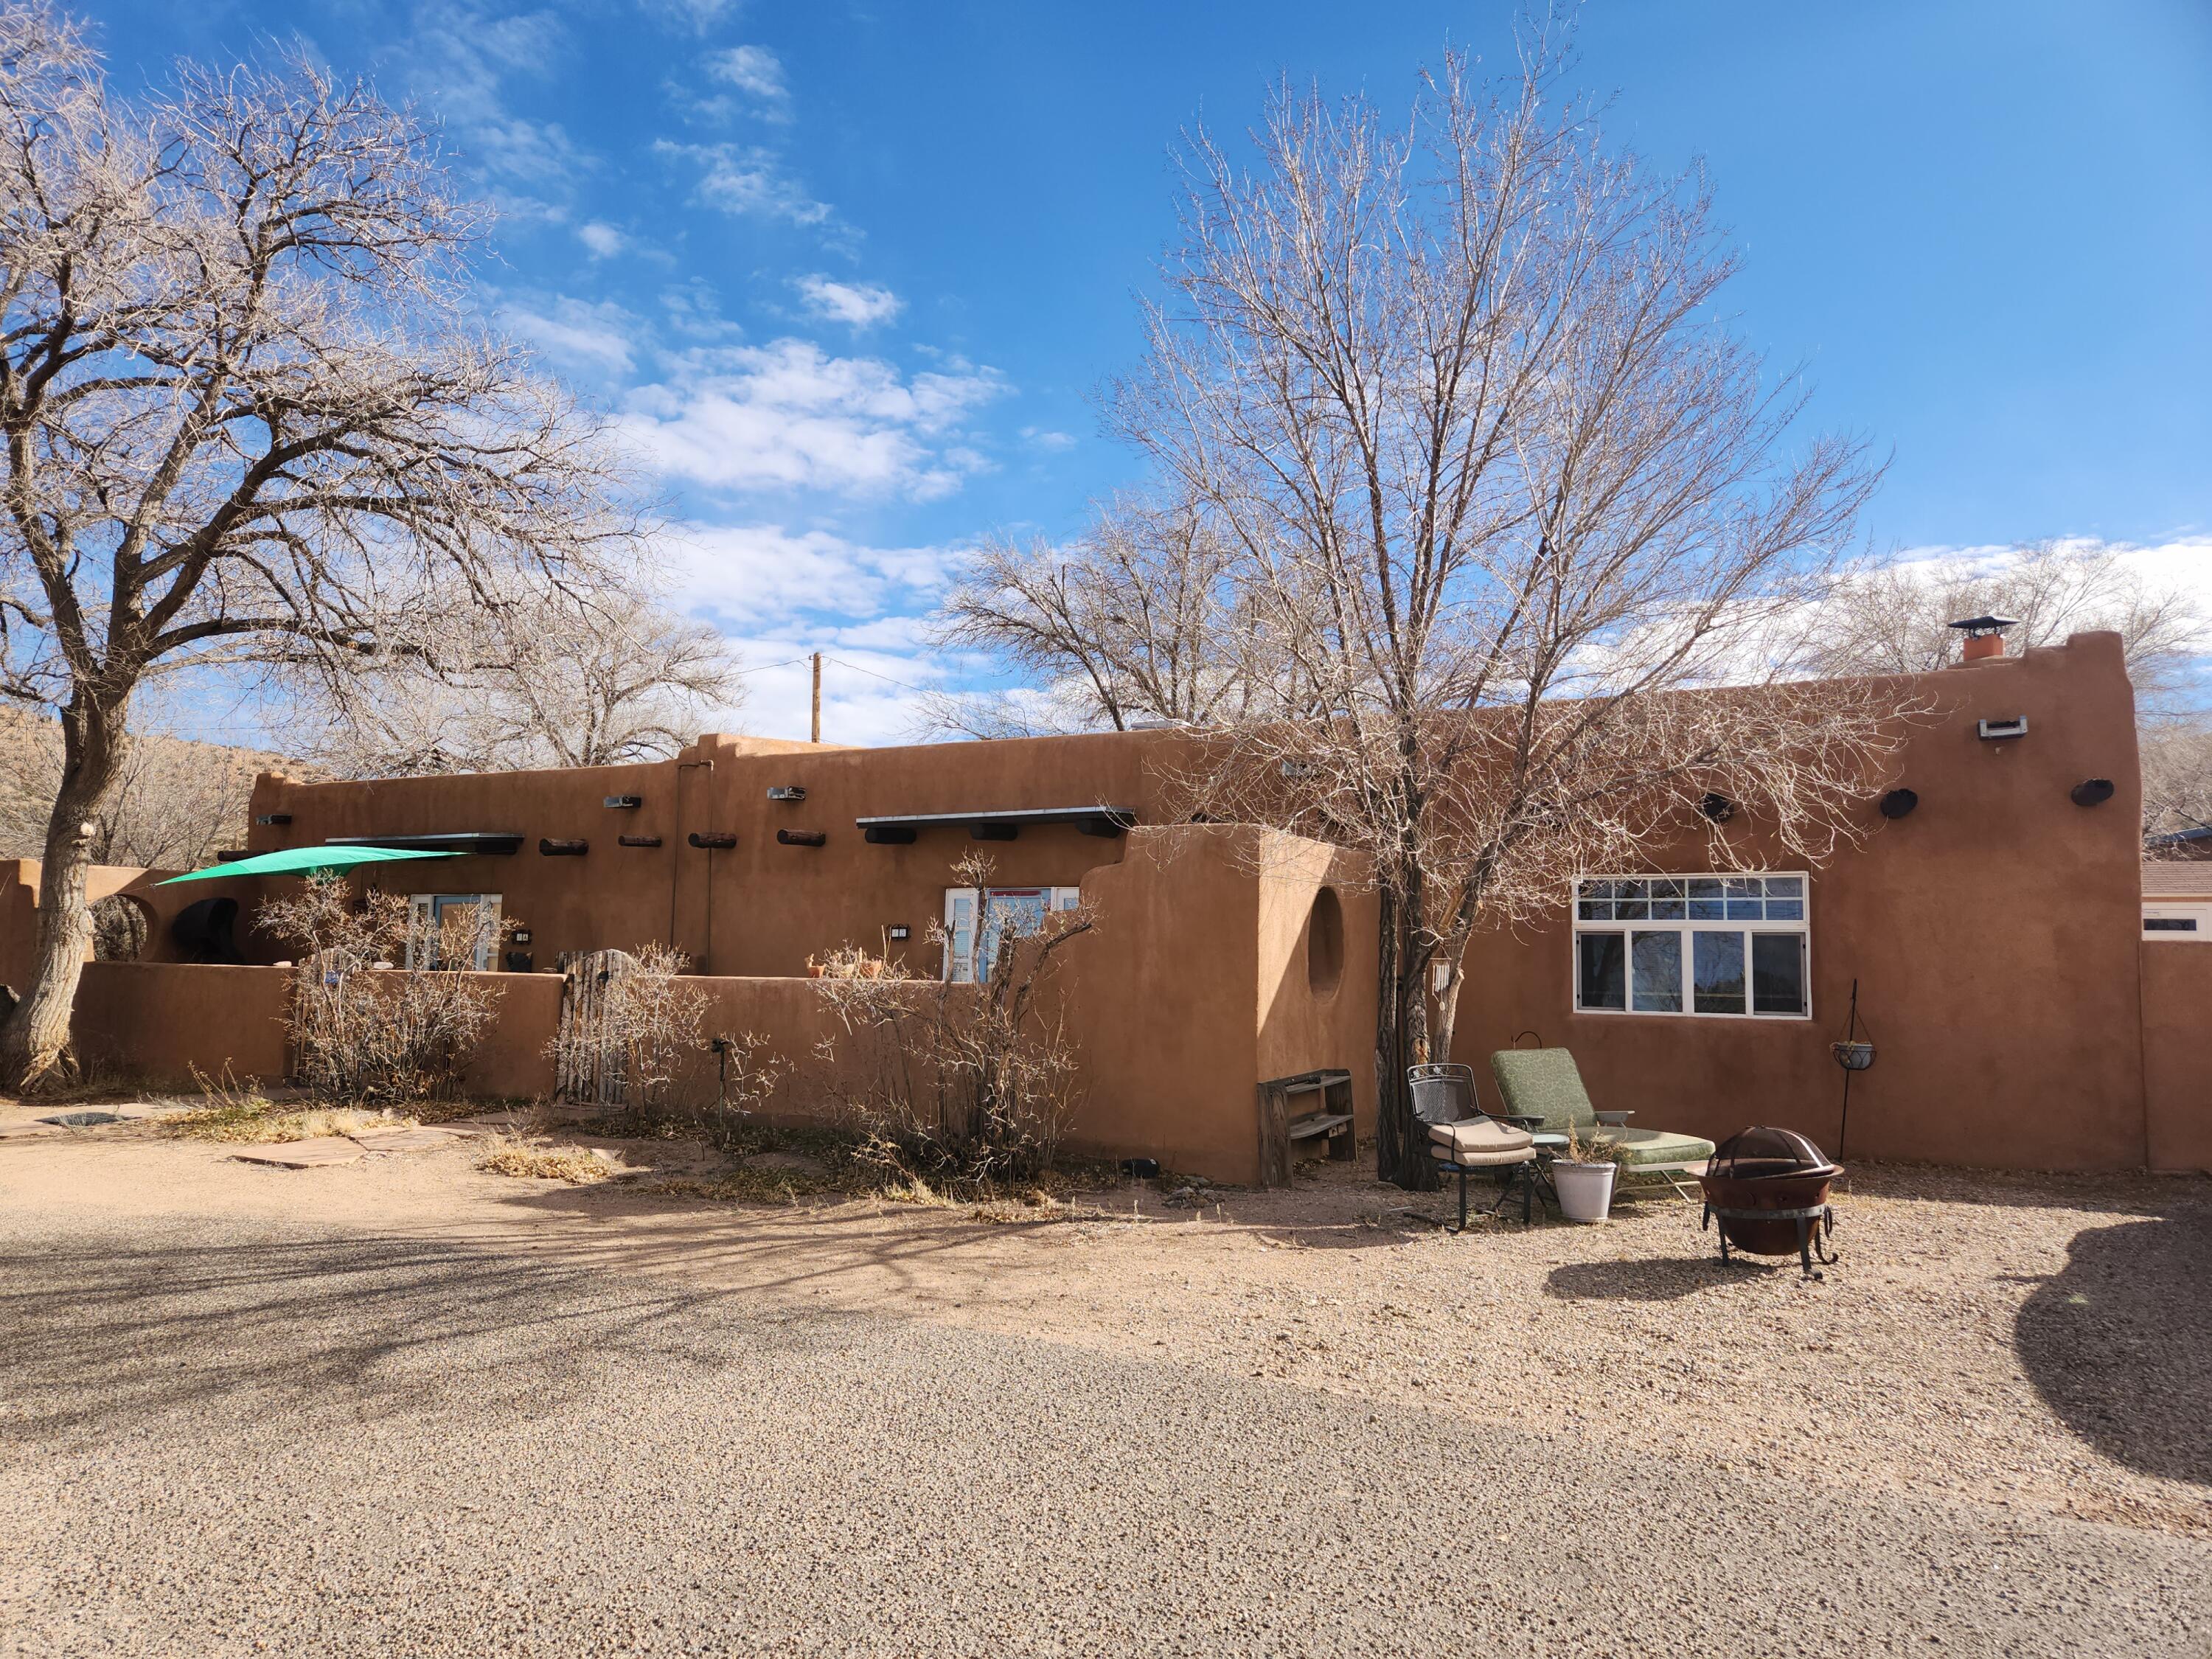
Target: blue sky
(852,269)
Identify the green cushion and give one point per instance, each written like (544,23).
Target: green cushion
(1546,1082)
(1543,1083)
(1659,1146)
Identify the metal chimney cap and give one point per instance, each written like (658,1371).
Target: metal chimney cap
(1975,627)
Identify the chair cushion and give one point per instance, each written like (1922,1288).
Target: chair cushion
(1489,1160)
(1543,1083)
(1659,1146)
(1479,1135)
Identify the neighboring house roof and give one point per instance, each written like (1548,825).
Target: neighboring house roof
(2178,878)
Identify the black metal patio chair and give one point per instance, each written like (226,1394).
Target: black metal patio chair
(1465,1141)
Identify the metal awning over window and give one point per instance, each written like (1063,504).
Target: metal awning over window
(898,830)
(472,841)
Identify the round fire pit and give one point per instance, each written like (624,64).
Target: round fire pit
(1768,1189)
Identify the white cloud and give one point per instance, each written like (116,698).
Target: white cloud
(863,305)
(782,594)
(747,181)
(754,576)
(578,333)
(786,414)
(602,240)
(758,73)
(1045,440)
(701,16)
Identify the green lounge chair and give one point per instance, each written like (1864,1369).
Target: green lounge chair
(1546,1084)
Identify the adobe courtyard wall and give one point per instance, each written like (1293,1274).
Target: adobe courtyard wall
(1994,934)
(2176,1044)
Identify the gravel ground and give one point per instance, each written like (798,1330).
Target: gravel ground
(402,1408)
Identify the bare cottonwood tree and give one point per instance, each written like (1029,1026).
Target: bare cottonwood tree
(242,402)
(546,680)
(1892,618)
(2176,778)
(1496,480)
(1135,621)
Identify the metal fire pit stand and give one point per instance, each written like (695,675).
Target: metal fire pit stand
(1812,1221)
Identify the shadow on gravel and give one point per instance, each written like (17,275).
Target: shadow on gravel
(2120,1343)
(104,1331)
(1652,1279)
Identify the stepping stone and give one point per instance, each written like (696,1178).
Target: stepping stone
(303,1154)
(418,1139)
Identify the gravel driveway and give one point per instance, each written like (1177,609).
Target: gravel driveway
(233,1433)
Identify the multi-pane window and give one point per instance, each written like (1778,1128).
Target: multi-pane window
(1692,944)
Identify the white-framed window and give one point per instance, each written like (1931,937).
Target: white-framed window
(2178,922)
(428,915)
(1725,946)
(976,919)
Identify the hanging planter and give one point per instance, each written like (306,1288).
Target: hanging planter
(1852,1056)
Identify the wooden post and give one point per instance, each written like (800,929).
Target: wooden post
(817,737)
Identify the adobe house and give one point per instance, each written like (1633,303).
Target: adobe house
(1993,922)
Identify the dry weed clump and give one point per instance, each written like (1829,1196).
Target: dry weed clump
(577,1166)
(240,1113)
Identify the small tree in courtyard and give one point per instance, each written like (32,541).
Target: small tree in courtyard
(1503,495)
(246,415)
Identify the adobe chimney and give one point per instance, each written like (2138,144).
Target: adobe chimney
(1984,637)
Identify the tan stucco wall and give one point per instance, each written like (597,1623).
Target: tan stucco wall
(2176,1041)
(161,1021)
(758,908)
(1994,934)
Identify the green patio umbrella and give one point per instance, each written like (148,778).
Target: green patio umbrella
(306,861)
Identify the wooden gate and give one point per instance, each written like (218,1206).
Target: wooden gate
(587,1053)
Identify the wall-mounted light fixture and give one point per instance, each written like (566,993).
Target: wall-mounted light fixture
(274,817)
(1992,730)
(898,930)
(786,792)
(563,849)
(800,838)
(2092,792)
(1898,804)
(712,839)
(626,802)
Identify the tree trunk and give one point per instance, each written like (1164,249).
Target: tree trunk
(1401,1152)
(34,1041)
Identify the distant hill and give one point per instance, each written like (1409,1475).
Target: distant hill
(180,800)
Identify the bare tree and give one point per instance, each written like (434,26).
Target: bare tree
(243,402)
(2177,778)
(545,681)
(1891,619)
(1136,622)
(1498,482)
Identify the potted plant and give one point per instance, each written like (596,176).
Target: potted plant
(1584,1174)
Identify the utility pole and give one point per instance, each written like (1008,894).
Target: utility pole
(817,698)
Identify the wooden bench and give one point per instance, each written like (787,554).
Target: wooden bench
(1327,1097)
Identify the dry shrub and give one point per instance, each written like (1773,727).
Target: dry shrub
(641,1045)
(577,1166)
(954,1087)
(362,1029)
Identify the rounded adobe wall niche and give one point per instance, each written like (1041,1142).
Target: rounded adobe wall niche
(122,928)
(1325,943)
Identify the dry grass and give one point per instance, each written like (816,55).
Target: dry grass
(577,1166)
(248,1118)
